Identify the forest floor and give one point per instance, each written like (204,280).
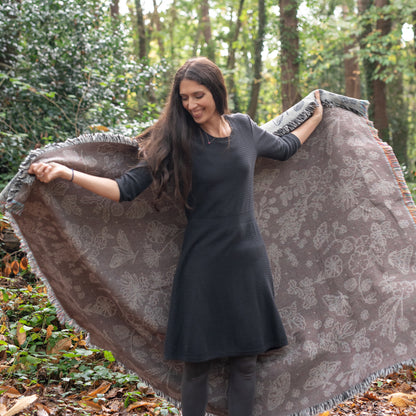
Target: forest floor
(393,395)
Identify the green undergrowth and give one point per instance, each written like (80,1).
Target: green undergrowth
(36,349)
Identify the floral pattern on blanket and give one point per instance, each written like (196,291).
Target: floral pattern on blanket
(340,233)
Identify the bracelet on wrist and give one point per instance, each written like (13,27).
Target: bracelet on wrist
(72,175)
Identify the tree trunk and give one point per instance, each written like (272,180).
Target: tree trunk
(173,17)
(352,73)
(258,63)
(414,34)
(398,114)
(231,61)
(381,121)
(351,65)
(369,67)
(205,24)
(158,25)
(141,30)
(289,57)
(115,9)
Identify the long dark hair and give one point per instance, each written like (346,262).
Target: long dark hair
(166,146)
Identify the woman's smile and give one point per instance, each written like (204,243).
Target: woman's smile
(199,102)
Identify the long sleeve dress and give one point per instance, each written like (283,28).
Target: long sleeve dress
(222,301)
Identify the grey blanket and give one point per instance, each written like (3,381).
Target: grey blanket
(339,225)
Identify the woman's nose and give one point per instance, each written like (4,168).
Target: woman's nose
(191,103)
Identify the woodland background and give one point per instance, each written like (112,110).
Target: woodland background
(69,67)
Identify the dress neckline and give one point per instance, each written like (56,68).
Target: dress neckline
(211,139)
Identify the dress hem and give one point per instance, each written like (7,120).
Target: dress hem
(218,356)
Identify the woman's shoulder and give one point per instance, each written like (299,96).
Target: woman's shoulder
(239,117)
(240,120)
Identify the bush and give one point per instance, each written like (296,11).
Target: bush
(64,71)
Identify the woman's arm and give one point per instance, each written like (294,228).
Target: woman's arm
(46,172)
(305,129)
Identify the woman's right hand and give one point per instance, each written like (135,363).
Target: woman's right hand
(46,172)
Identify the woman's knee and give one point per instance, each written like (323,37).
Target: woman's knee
(245,366)
(194,371)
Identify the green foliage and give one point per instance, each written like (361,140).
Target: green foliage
(35,347)
(32,338)
(63,71)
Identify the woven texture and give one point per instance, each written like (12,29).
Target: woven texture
(339,227)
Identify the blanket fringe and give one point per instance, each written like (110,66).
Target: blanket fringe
(396,170)
(7,196)
(300,112)
(357,389)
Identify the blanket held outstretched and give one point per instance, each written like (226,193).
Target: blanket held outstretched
(339,227)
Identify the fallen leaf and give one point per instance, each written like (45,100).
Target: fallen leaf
(141,404)
(43,410)
(90,404)
(406,388)
(99,128)
(402,399)
(49,331)
(15,266)
(369,395)
(114,392)
(20,333)
(64,344)
(104,387)
(21,404)
(3,409)
(9,391)
(24,263)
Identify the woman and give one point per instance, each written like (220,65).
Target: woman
(222,301)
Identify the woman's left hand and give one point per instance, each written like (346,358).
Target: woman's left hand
(305,130)
(318,113)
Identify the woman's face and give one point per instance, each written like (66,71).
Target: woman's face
(198,101)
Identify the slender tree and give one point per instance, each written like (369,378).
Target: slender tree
(414,35)
(398,118)
(375,85)
(381,121)
(289,57)
(368,66)
(115,9)
(157,28)
(231,60)
(258,62)
(205,27)
(141,27)
(351,64)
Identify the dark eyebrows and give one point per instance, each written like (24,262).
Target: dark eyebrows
(195,93)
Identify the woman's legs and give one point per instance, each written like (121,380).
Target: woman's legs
(195,388)
(242,386)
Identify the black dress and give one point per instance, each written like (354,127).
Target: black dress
(222,302)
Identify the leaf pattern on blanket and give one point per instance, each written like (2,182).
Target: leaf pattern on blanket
(339,230)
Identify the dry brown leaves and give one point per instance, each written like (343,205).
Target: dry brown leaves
(51,401)
(393,395)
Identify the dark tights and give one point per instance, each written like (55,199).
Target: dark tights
(241,387)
